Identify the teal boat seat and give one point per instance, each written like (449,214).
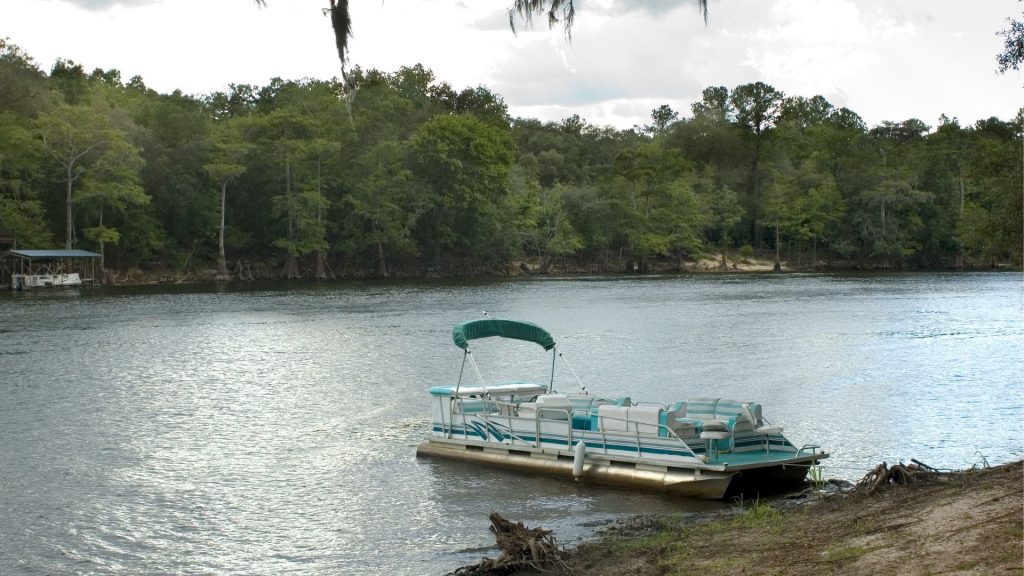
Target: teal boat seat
(581,420)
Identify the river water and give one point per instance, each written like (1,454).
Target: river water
(271,429)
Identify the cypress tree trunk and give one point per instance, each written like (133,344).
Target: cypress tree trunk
(778,262)
(382,266)
(222,266)
(69,207)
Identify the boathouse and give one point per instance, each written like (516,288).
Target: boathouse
(28,269)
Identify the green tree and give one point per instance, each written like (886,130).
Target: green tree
(384,205)
(76,138)
(539,215)
(818,206)
(658,201)
(22,83)
(1013,45)
(895,195)
(662,118)
(71,81)
(285,136)
(992,229)
(229,151)
(778,205)
(21,212)
(174,137)
(464,163)
(721,208)
(757,107)
(113,184)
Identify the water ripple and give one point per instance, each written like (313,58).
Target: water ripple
(265,431)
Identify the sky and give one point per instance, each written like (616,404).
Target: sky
(887,60)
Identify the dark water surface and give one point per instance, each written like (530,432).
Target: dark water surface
(267,430)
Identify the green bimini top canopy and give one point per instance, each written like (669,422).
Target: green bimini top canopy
(475,329)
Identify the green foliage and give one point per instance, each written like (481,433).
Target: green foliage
(817,475)
(844,553)
(1013,46)
(464,165)
(102,235)
(407,174)
(759,514)
(83,143)
(21,211)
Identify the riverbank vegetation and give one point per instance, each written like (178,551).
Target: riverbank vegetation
(409,176)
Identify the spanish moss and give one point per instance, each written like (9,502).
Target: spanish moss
(561,11)
(342,23)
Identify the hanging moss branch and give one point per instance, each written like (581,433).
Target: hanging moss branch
(342,23)
(556,10)
(561,11)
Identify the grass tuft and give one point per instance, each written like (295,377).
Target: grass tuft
(844,553)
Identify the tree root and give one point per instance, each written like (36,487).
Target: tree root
(521,548)
(883,475)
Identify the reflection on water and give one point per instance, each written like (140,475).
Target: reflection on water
(263,430)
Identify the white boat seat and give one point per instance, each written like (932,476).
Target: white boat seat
(553,407)
(766,432)
(612,418)
(715,426)
(711,440)
(686,427)
(644,419)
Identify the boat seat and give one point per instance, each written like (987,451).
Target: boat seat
(640,419)
(701,408)
(716,414)
(580,420)
(610,418)
(713,441)
(687,427)
(669,420)
(581,406)
(644,419)
(471,405)
(765,433)
(553,407)
(740,416)
(584,403)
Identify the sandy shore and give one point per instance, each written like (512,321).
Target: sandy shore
(962,523)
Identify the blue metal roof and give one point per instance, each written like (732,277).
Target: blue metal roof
(53,254)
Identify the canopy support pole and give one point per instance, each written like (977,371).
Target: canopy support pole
(465,353)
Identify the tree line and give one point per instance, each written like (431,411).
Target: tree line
(409,176)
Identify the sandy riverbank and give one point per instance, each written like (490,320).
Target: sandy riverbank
(964,523)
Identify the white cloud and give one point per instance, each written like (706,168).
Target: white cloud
(885,60)
(105,4)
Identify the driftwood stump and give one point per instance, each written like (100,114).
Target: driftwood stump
(521,547)
(883,475)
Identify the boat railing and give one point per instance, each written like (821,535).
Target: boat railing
(638,435)
(813,449)
(504,412)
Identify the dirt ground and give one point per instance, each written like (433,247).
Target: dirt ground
(964,523)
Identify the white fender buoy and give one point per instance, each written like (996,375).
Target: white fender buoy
(577,459)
